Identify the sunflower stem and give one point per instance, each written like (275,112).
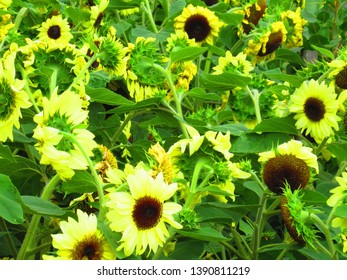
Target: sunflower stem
(326,231)
(27,88)
(258,226)
(241,244)
(255,98)
(179,113)
(84,70)
(321,146)
(31,232)
(98,184)
(120,129)
(148,11)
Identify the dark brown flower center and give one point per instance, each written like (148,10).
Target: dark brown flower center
(54,32)
(90,248)
(285,168)
(314,109)
(210,2)
(254,15)
(341,78)
(147,212)
(197,27)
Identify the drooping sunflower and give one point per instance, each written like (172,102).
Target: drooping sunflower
(294,24)
(315,107)
(263,46)
(141,214)
(252,14)
(288,163)
(199,23)
(143,80)
(63,114)
(55,32)
(95,18)
(179,40)
(5,21)
(338,70)
(105,160)
(80,240)
(13,97)
(233,64)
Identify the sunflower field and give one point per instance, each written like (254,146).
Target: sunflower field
(173,130)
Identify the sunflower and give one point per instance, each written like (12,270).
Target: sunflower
(63,114)
(55,32)
(296,218)
(5,23)
(143,80)
(233,64)
(13,97)
(294,24)
(252,14)
(141,214)
(263,46)
(112,54)
(315,107)
(338,70)
(289,163)
(95,18)
(199,23)
(4,4)
(80,240)
(179,40)
(105,160)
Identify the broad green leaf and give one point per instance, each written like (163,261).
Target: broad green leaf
(225,81)
(232,19)
(123,4)
(187,250)
(235,129)
(276,74)
(77,15)
(142,105)
(106,96)
(282,125)
(253,186)
(341,211)
(256,143)
(200,94)
(324,51)
(10,201)
(313,197)
(186,54)
(6,153)
(206,234)
(214,190)
(339,150)
(40,206)
(176,7)
(290,56)
(81,182)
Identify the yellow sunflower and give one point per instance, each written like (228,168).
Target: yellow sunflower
(80,240)
(55,32)
(233,64)
(13,97)
(141,214)
(338,70)
(178,40)
(264,46)
(295,25)
(290,162)
(4,4)
(252,14)
(315,107)
(63,114)
(95,18)
(199,23)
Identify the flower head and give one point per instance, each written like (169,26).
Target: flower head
(13,97)
(315,107)
(81,240)
(294,24)
(233,64)
(288,163)
(141,214)
(253,13)
(55,32)
(63,115)
(199,23)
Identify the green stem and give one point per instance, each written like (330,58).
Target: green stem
(326,231)
(232,249)
(321,146)
(179,113)
(241,244)
(84,70)
(258,227)
(27,88)
(147,9)
(282,254)
(255,98)
(120,129)
(208,61)
(98,183)
(31,232)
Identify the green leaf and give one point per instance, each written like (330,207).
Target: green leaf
(253,186)
(187,250)
(255,143)
(339,150)
(313,197)
(6,153)
(200,94)
(324,51)
(186,54)
(144,104)
(232,19)
(106,96)
(341,211)
(206,234)
(235,129)
(282,125)
(225,81)
(290,56)
(214,190)
(77,15)
(10,201)
(81,182)
(38,205)
(276,74)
